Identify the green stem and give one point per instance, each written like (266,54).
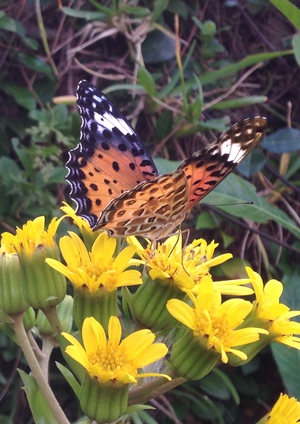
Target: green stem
(43,34)
(36,370)
(155,388)
(35,347)
(52,317)
(49,342)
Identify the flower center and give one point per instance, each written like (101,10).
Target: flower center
(213,328)
(112,359)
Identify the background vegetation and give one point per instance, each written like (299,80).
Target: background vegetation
(178,70)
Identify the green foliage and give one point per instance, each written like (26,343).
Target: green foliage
(222,73)
(289,10)
(38,404)
(29,178)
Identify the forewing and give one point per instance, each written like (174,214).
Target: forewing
(110,157)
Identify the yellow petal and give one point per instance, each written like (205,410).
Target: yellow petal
(129,278)
(121,261)
(79,355)
(58,266)
(152,354)
(103,248)
(73,249)
(182,312)
(114,331)
(235,310)
(93,335)
(273,290)
(137,342)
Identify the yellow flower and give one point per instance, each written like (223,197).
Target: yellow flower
(97,268)
(186,266)
(274,316)
(81,223)
(88,234)
(42,287)
(32,236)
(113,360)
(285,411)
(215,324)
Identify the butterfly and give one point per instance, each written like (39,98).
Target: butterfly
(116,185)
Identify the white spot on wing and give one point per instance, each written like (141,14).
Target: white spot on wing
(234,150)
(111,122)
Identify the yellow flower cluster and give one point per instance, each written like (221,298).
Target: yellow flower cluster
(176,294)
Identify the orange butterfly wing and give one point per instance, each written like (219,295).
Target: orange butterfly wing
(155,208)
(206,168)
(152,209)
(109,159)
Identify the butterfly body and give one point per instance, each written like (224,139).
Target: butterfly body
(116,185)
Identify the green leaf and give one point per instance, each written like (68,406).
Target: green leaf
(8,171)
(41,412)
(212,76)
(180,7)
(282,141)
(288,359)
(288,363)
(244,101)
(194,110)
(158,47)
(36,63)
(205,221)
(215,124)
(296,47)
(160,6)
(147,81)
(164,124)
(235,189)
(206,409)
(136,11)
(218,384)
(84,14)
(165,165)
(252,164)
(24,155)
(69,378)
(139,416)
(60,115)
(291,281)
(21,95)
(57,176)
(11,25)
(294,166)
(289,10)
(8,24)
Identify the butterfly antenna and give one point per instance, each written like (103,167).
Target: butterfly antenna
(248,202)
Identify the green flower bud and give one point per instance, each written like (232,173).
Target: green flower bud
(148,304)
(101,305)
(190,358)
(11,297)
(104,403)
(29,319)
(43,287)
